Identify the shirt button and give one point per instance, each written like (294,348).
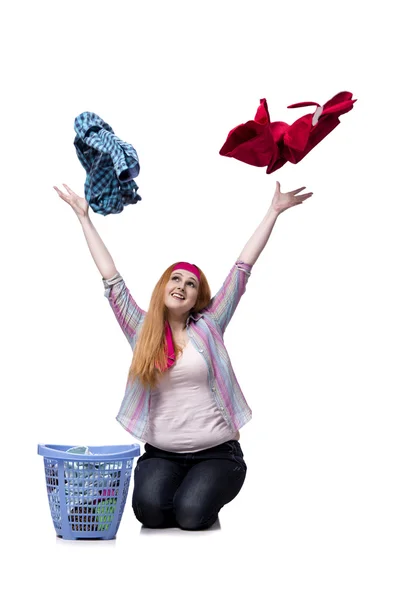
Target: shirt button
(200,350)
(213,389)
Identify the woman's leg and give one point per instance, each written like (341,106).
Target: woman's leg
(155,483)
(207,487)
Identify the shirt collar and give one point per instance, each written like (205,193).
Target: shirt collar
(194,316)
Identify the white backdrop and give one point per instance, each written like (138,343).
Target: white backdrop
(314,342)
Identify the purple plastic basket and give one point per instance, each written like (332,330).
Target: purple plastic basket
(87,492)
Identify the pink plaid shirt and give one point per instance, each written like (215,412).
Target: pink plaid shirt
(206,330)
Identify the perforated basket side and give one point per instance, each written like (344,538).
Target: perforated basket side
(87,493)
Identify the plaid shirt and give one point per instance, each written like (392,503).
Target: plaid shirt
(110,164)
(206,330)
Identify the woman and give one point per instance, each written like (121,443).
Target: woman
(182,397)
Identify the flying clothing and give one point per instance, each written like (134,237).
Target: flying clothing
(261,142)
(110,164)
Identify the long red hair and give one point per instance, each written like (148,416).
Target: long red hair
(150,347)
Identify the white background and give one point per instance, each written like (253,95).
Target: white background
(314,342)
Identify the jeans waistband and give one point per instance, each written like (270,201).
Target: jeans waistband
(232,447)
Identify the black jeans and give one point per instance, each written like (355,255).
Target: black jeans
(186,490)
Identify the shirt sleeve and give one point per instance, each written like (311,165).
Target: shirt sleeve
(128,314)
(223,305)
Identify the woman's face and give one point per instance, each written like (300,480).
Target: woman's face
(181,292)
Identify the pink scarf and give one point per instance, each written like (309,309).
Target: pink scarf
(169,344)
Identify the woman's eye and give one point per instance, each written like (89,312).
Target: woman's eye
(177,277)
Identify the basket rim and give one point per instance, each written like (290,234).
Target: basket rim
(112,452)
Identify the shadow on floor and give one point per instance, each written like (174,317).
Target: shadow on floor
(178,531)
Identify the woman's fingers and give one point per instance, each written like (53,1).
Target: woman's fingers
(304,196)
(59,192)
(298,190)
(62,195)
(67,188)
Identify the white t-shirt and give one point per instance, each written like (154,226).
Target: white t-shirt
(183,414)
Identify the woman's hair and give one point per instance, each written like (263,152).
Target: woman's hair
(149,358)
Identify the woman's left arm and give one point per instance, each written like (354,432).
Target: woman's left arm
(223,305)
(280,203)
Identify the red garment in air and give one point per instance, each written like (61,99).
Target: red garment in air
(261,142)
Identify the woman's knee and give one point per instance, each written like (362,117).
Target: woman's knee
(194,516)
(148,512)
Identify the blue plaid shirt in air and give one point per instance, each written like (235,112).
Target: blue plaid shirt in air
(110,164)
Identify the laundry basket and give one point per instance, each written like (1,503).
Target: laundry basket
(87,492)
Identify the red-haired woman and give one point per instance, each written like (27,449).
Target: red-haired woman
(182,398)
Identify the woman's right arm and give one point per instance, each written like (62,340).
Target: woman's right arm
(129,315)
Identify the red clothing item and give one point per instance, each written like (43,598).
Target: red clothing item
(261,142)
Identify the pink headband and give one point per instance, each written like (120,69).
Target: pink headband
(188,267)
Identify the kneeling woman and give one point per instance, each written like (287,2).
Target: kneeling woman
(182,398)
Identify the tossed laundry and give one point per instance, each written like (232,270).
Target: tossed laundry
(110,164)
(261,142)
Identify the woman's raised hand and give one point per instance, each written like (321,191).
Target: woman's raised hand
(79,205)
(281,202)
